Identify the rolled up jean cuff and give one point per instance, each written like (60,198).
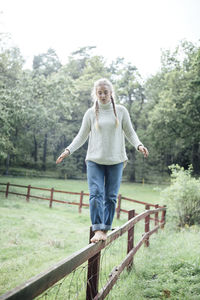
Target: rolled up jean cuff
(96,227)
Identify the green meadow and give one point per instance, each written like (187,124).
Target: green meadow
(33,237)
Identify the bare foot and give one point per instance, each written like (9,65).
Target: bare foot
(99,236)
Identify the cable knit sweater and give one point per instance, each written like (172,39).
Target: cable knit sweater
(106,143)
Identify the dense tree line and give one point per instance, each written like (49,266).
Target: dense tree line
(42,109)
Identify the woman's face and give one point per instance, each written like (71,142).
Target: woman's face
(103,93)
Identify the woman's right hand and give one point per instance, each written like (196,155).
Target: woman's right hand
(62,156)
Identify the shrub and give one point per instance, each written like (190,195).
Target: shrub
(183,196)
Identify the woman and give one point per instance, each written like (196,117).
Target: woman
(105,124)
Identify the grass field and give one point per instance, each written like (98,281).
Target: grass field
(169,268)
(34,237)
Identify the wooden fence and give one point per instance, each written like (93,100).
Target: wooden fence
(80,204)
(91,253)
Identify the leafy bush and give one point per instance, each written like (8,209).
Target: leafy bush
(183,196)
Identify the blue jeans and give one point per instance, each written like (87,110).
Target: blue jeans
(104,182)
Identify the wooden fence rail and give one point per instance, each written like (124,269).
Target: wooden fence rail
(51,199)
(40,283)
(80,204)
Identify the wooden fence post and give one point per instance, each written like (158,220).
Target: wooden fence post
(7,189)
(51,199)
(131,214)
(156,217)
(93,273)
(119,206)
(163,217)
(81,202)
(28,193)
(146,220)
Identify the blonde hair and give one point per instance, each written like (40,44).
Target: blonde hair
(103,81)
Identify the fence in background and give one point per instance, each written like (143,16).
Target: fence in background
(80,204)
(91,254)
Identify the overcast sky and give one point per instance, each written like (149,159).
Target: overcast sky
(134,29)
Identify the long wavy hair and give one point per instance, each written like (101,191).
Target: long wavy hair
(103,81)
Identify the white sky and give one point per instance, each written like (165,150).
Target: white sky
(133,29)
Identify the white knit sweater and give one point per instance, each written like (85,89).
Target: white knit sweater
(106,143)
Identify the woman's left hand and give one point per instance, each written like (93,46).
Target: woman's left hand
(143,150)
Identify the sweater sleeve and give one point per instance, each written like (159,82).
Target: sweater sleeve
(129,131)
(82,135)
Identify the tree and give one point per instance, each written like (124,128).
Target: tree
(46,63)
(130,92)
(11,120)
(174,115)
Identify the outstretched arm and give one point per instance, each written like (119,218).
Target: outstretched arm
(62,156)
(131,134)
(143,150)
(79,140)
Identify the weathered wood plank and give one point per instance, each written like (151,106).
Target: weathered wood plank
(141,202)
